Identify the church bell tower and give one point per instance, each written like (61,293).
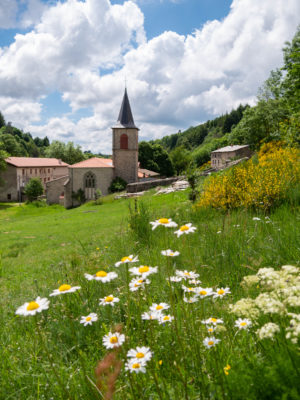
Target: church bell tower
(125,144)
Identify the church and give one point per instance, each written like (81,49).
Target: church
(98,173)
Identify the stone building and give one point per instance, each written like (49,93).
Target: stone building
(19,170)
(98,173)
(221,157)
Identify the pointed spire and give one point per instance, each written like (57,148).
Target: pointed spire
(125,118)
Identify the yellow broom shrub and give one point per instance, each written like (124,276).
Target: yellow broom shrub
(258,182)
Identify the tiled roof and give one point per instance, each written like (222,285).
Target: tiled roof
(94,162)
(35,162)
(146,173)
(230,148)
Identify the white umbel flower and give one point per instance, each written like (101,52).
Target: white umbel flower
(65,288)
(243,323)
(109,300)
(102,276)
(185,229)
(267,331)
(210,341)
(33,307)
(170,253)
(127,259)
(135,366)
(89,319)
(221,292)
(166,222)
(140,354)
(143,270)
(112,340)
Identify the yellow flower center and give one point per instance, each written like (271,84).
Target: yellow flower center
(126,259)
(109,299)
(140,355)
(211,342)
(203,293)
(243,323)
(140,280)
(101,274)
(88,318)
(184,228)
(171,254)
(113,339)
(159,307)
(136,285)
(221,291)
(163,221)
(143,269)
(166,318)
(191,289)
(63,288)
(136,365)
(32,306)
(210,330)
(187,273)
(213,319)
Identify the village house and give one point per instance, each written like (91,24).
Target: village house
(19,170)
(221,157)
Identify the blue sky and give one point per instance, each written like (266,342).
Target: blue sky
(63,63)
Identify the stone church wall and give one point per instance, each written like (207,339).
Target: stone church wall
(9,191)
(54,189)
(104,176)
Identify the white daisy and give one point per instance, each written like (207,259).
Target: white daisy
(159,307)
(186,274)
(109,300)
(256,219)
(127,259)
(243,323)
(174,279)
(135,366)
(213,321)
(151,315)
(221,292)
(194,281)
(204,292)
(166,222)
(210,342)
(112,340)
(170,253)
(33,307)
(138,283)
(163,319)
(140,354)
(143,270)
(102,276)
(191,299)
(211,329)
(65,288)
(89,319)
(188,289)
(185,229)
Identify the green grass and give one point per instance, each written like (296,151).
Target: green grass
(51,355)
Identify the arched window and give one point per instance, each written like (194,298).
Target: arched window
(89,180)
(124,141)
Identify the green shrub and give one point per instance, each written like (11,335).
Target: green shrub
(117,185)
(33,189)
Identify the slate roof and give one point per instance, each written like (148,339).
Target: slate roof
(35,162)
(125,119)
(230,148)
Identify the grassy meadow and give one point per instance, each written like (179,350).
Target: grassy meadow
(51,355)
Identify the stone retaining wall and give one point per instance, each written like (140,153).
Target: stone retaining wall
(141,186)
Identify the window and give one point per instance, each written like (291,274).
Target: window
(89,180)
(35,171)
(23,171)
(30,171)
(48,170)
(124,141)
(8,196)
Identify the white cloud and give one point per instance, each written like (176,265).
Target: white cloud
(174,81)
(8,13)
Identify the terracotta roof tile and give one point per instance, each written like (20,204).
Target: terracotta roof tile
(35,162)
(94,162)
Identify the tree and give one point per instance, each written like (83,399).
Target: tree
(33,189)
(155,158)
(2,120)
(181,159)
(3,156)
(66,152)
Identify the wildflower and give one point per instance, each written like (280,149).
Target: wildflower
(194,282)
(256,219)
(112,340)
(226,369)
(204,292)
(219,232)
(170,253)
(211,329)
(244,308)
(64,289)
(166,222)
(243,323)
(186,274)
(165,318)
(221,292)
(185,229)
(159,307)
(151,315)
(102,276)
(135,366)
(127,259)
(269,305)
(88,320)
(174,279)
(293,331)
(188,289)
(109,300)
(140,354)
(33,307)
(143,270)
(213,321)
(210,341)
(267,331)
(191,299)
